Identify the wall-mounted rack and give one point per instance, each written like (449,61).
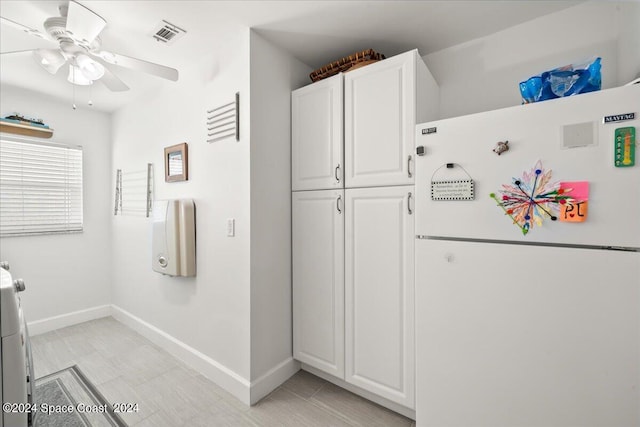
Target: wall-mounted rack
(224,121)
(134,192)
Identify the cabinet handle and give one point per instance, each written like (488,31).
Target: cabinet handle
(409,166)
(409,197)
(338,172)
(338,200)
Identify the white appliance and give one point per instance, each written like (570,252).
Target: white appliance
(174,238)
(535,329)
(16,364)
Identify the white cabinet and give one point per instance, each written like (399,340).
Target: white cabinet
(318,279)
(379,292)
(382,104)
(353,311)
(317,135)
(380,122)
(368,116)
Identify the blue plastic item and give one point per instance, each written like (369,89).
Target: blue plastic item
(564,81)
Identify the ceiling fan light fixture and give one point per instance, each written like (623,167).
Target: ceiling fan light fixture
(90,69)
(50,59)
(77,33)
(77,77)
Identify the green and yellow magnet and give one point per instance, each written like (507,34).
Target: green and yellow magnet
(625,147)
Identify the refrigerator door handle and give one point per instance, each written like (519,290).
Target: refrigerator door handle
(409,166)
(409,197)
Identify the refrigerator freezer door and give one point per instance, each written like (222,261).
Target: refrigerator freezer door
(550,337)
(540,131)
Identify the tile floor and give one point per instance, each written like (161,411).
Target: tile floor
(125,367)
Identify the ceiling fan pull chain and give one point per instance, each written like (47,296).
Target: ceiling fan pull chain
(90,101)
(73,87)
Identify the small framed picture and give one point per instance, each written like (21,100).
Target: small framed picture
(176,163)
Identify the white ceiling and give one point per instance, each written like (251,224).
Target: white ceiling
(316,32)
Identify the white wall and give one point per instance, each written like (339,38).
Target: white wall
(71,272)
(274,74)
(483,74)
(237,311)
(627,22)
(210,312)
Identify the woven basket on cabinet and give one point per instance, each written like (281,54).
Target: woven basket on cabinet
(356,60)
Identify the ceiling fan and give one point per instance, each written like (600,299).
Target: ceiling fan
(76,34)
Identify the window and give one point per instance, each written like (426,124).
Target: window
(40,188)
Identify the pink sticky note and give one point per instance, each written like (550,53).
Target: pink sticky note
(579,190)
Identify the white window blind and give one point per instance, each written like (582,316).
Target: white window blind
(40,188)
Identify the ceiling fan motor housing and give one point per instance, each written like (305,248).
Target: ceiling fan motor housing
(76,32)
(56,27)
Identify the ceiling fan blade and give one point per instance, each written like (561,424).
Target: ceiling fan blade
(111,81)
(13,24)
(16,51)
(83,24)
(138,64)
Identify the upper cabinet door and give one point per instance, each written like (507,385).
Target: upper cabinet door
(380,115)
(317,135)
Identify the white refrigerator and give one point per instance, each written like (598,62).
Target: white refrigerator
(523,319)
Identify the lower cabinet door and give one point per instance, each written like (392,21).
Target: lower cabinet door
(379,292)
(318,279)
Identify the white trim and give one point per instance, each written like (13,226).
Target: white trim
(247,392)
(273,379)
(36,140)
(49,324)
(402,410)
(219,374)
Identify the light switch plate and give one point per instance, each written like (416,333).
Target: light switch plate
(231,227)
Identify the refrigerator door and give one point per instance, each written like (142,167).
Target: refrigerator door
(550,337)
(540,131)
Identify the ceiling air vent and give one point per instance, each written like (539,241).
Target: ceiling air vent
(167,33)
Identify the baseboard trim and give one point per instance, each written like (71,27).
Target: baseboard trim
(49,324)
(271,380)
(219,374)
(402,410)
(247,392)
